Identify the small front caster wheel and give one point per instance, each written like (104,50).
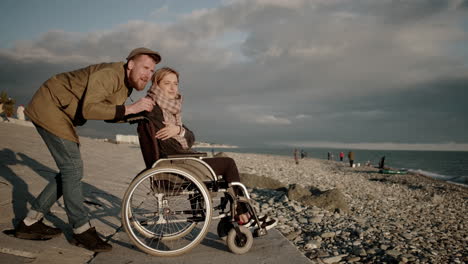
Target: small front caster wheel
(239,243)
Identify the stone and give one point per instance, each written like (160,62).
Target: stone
(335,259)
(353,259)
(393,253)
(327,234)
(316,220)
(312,244)
(437,199)
(271,201)
(262,182)
(384,247)
(360,252)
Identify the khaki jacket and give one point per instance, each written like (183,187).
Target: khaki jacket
(68,99)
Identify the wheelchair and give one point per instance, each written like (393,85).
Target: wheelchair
(167,209)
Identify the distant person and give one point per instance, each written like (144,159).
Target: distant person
(67,100)
(212,152)
(302,154)
(328,155)
(296,156)
(341,155)
(351,158)
(20,112)
(382,163)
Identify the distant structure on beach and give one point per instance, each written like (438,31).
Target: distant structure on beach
(212,145)
(133,139)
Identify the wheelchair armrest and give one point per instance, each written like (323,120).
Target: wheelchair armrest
(135,119)
(188,155)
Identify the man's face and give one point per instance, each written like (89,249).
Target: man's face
(140,70)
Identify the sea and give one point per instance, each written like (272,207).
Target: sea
(449,166)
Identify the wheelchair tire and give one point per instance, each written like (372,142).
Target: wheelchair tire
(224,226)
(239,243)
(166,217)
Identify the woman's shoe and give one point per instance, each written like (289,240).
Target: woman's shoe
(251,222)
(269,224)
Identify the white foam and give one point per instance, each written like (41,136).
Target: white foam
(431,174)
(454,179)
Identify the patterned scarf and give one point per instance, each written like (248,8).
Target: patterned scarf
(171,108)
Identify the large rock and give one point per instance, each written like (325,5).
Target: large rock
(330,200)
(261,182)
(297,192)
(220,155)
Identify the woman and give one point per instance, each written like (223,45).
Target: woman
(175,138)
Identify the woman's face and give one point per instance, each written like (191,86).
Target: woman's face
(169,84)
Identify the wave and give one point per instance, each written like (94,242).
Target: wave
(456,179)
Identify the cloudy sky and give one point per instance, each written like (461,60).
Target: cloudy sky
(376,73)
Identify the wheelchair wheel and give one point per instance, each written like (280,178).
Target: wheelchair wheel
(166,211)
(239,243)
(224,226)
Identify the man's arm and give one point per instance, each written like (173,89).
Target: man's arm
(97,104)
(100,99)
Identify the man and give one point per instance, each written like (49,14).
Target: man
(351,158)
(65,101)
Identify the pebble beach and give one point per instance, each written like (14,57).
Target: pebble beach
(391,218)
(370,218)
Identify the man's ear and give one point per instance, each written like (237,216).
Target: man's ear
(131,64)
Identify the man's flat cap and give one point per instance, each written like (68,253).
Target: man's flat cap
(146,51)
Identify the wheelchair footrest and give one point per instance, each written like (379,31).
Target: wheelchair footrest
(258,232)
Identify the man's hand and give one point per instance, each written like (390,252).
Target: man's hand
(167,132)
(144,104)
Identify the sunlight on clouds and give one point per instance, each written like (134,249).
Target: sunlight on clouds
(302,116)
(257,114)
(428,40)
(198,13)
(315,51)
(272,120)
(293,4)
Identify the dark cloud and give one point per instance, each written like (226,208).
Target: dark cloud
(339,71)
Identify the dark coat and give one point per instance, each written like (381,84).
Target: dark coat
(152,148)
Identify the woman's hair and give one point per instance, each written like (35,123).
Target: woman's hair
(159,74)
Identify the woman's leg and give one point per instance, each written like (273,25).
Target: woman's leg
(224,166)
(227,167)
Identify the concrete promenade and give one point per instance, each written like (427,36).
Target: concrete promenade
(25,168)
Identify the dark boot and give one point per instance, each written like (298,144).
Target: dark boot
(36,231)
(91,241)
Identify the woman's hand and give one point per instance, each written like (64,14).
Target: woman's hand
(168,132)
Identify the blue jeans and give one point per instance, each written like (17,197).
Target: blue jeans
(67,182)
